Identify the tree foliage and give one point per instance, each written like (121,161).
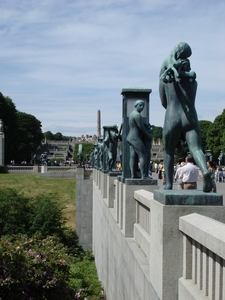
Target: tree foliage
(29,135)
(216,136)
(58,136)
(86,150)
(8,115)
(22,131)
(157,133)
(49,135)
(204,128)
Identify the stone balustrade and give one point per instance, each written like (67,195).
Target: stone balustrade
(203,258)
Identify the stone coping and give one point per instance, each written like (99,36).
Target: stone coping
(138,181)
(114,173)
(188,197)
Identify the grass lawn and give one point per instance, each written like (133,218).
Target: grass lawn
(32,185)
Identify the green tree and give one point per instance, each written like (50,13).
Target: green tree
(29,135)
(204,128)
(8,115)
(157,133)
(216,136)
(86,150)
(58,136)
(49,135)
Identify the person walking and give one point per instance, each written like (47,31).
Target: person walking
(212,170)
(189,174)
(178,176)
(220,175)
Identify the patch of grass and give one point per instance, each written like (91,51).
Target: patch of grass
(33,185)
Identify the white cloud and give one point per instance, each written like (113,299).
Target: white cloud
(63,60)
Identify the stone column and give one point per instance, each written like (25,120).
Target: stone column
(2,144)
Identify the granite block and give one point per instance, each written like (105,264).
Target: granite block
(187,197)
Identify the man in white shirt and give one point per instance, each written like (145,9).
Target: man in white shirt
(190,174)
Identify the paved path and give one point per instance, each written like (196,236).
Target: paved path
(220,186)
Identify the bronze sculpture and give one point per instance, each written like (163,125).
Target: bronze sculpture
(177,89)
(139,138)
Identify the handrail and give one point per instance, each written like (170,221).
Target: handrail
(204,254)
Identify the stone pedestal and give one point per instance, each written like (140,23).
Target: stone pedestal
(111,188)
(80,173)
(44,169)
(127,204)
(35,169)
(103,183)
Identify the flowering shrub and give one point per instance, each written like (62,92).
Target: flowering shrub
(39,257)
(34,269)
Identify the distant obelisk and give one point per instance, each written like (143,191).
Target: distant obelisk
(98,123)
(2,144)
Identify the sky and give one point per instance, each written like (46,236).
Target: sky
(63,60)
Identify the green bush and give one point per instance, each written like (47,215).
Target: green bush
(2,169)
(84,278)
(40,258)
(34,269)
(40,215)
(16,212)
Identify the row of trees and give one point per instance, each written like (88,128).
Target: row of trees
(55,137)
(23,133)
(212,137)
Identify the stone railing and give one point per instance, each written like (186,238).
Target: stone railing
(44,171)
(203,258)
(142,226)
(20,169)
(67,168)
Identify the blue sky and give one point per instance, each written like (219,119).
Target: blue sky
(62,60)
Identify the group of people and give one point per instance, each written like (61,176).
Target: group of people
(186,175)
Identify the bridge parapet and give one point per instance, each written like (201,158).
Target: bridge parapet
(203,258)
(138,244)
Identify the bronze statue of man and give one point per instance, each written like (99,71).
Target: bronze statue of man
(139,137)
(177,89)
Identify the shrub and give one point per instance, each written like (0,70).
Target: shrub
(34,269)
(40,215)
(39,257)
(2,169)
(47,218)
(19,212)
(84,279)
